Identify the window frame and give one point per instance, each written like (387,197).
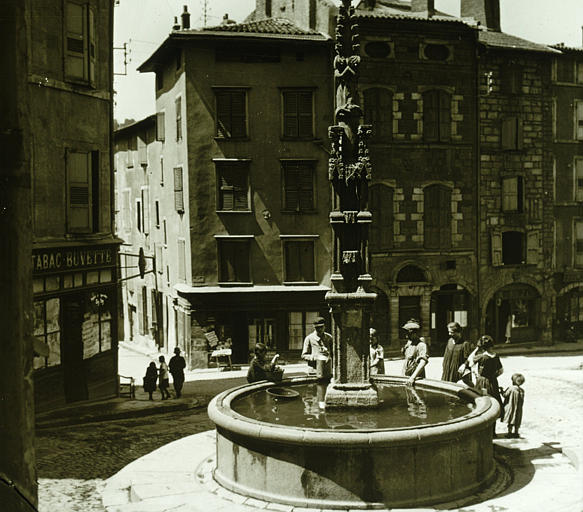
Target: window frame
(178,111)
(512,196)
(442,113)
(88,40)
(286,168)
(378,136)
(382,218)
(237,257)
(442,213)
(511,133)
(90,182)
(299,115)
(578,119)
(286,242)
(577,176)
(179,189)
(242,166)
(224,133)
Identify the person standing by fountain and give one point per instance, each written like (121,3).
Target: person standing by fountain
(377,355)
(317,350)
(456,353)
(260,369)
(415,352)
(489,369)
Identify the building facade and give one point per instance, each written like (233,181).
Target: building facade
(567,92)
(74,257)
(239,183)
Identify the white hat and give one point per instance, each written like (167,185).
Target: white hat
(411,324)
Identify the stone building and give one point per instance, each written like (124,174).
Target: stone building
(240,181)
(74,259)
(567,260)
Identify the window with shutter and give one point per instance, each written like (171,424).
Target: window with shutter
(512,195)
(139,215)
(298,183)
(513,248)
(579,120)
(437,217)
(378,112)
(299,261)
(381,229)
(234,261)
(178,190)
(436,116)
(578,244)
(578,168)
(231,109)
(511,137)
(298,114)
(160,126)
(233,186)
(142,150)
(146,210)
(80,43)
(79,192)
(178,106)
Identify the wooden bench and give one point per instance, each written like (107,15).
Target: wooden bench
(126,386)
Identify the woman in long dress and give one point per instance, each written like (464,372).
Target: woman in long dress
(489,369)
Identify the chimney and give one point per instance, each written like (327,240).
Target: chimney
(185,18)
(176,25)
(227,21)
(422,6)
(487,12)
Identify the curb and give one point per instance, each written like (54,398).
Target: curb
(196,403)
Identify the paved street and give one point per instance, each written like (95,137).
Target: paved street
(73,461)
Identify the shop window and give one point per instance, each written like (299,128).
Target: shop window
(298,186)
(511,138)
(80,43)
(298,114)
(512,194)
(96,326)
(262,330)
(231,112)
(378,112)
(437,217)
(299,260)
(578,244)
(381,229)
(82,192)
(578,171)
(234,260)
(232,186)
(579,120)
(47,329)
(178,190)
(436,116)
(300,324)
(178,107)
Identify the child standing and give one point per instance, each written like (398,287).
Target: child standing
(150,379)
(163,378)
(514,398)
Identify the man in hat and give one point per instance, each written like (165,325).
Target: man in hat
(176,366)
(317,349)
(415,352)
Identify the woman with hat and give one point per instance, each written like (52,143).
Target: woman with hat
(317,349)
(415,352)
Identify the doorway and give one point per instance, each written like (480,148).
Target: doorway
(74,377)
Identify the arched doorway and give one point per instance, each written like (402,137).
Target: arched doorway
(451,303)
(513,314)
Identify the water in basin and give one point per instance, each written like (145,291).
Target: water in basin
(401,406)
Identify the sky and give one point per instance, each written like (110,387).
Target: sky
(144,24)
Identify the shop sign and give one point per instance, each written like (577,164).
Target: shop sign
(54,260)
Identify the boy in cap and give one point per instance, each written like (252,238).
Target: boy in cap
(415,352)
(317,349)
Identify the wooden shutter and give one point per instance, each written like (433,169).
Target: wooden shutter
(305,128)
(146,210)
(91,45)
(233,187)
(299,186)
(238,114)
(496,238)
(76,44)
(306,259)
(178,190)
(430,116)
(178,106)
(510,194)
(444,116)
(290,114)
(223,114)
(511,137)
(79,197)
(532,247)
(160,126)
(437,217)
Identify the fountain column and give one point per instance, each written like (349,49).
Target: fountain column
(350,172)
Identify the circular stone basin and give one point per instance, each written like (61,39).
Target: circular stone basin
(282,393)
(354,458)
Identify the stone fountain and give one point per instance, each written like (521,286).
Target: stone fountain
(341,466)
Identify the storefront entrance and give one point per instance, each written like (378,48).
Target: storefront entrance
(75,381)
(449,304)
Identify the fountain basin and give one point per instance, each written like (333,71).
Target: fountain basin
(364,468)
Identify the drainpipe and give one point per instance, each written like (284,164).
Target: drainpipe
(477,160)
